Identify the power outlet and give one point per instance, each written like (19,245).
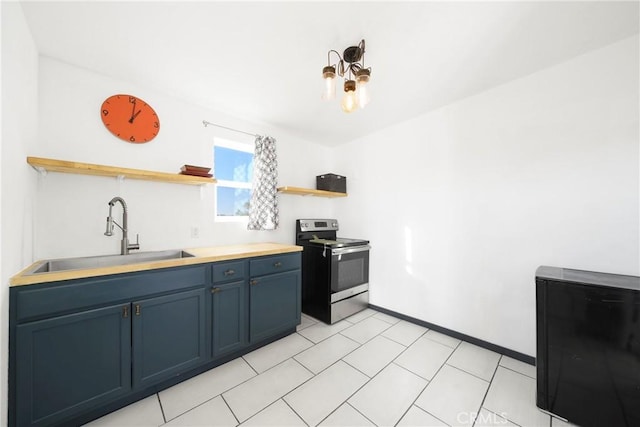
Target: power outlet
(195,232)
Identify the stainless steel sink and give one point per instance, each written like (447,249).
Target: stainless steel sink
(64,264)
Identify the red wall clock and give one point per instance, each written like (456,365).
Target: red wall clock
(130,118)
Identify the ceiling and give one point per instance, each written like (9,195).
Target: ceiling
(263,61)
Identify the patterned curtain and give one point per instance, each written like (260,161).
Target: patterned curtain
(263,209)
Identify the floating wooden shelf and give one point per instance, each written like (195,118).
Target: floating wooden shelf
(309,192)
(64,166)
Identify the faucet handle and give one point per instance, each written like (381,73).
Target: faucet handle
(135,245)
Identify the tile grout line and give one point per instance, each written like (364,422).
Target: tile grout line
(330,365)
(392,361)
(356,409)
(205,402)
(251,366)
(394,323)
(287,393)
(313,375)
(376,374)
(385,366)
(306,339)
(351,366)
(411,405)
(340,331)
(513,370)
(324,339)
(486,393)
(434,375)
(290,357)
(221,393)
(379,333)
(294,411)
(419,394)
(341,360)
(498,415)
(401,353)
(406,345)
(346,401)
(161,408)
(230,410)
(472,374)
(428,382)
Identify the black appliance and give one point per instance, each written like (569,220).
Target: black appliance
(588,346)
(335,271)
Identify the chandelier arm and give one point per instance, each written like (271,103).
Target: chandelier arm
(329,56)
(340,68)
(361,46)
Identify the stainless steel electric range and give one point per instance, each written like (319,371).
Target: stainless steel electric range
(335,271)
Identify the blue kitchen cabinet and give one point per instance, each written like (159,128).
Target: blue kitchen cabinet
(169,336)
(69,364)
(229,314)
(229,307)
(81,348)
(274,295)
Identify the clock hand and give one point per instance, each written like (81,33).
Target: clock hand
(134,116)
(133,109)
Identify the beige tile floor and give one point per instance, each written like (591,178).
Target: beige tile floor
(371,369)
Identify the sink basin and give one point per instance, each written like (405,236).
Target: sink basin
(64,264)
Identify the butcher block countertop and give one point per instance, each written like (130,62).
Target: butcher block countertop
(202,255)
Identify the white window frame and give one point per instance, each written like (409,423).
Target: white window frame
(238,146)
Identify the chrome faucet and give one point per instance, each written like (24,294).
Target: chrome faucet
(125,247)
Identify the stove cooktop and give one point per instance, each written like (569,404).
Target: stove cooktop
(322,232)
(339,242)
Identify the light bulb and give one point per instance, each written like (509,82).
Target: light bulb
(349,102)
(362,80)
(329,76)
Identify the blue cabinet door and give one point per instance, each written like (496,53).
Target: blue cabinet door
(169,336)
(274,302)
(71,363)
(229,317)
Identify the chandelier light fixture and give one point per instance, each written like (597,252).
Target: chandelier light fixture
(349,66)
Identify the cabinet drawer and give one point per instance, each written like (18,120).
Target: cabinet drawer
(48,299)
(274,264)
(227,271)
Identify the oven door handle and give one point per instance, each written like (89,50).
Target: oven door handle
(351,250)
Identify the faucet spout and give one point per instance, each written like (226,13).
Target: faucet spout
(125,247)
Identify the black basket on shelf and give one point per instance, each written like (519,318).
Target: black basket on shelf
(331,182)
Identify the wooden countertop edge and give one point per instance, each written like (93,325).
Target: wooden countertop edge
(202,255)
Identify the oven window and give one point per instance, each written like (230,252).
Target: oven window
(350,270)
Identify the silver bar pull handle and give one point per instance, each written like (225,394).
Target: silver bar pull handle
(351,250)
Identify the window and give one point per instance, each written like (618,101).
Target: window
(233,166)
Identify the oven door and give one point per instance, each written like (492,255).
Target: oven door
(349,269)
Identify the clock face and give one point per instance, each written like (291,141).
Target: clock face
(130,118)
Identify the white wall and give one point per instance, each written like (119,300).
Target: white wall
(72,208)
(464,203)
(19,130)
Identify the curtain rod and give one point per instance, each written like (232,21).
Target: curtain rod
(206,123)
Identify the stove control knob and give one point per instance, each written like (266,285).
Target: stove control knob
(335,224)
